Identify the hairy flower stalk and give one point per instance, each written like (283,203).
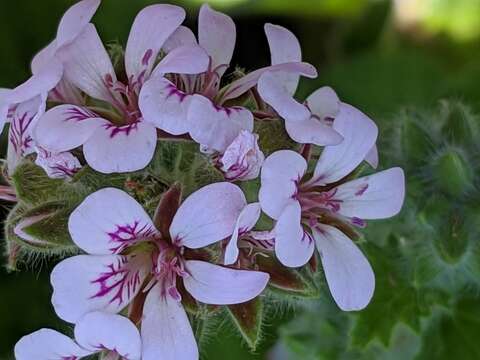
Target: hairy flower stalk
(84,137)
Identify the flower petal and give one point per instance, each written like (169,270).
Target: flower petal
(20,140)
(281,174)
(324,103)
(217,285)
(86,283)
(312,131)
(39,83)
(100,330)
(108,221)
(188,59)
(293,246)
(47,344)
(65,127)
(151,28)
(242,85)
(377,196)
(57,165)
(164,106)
(216,127)
(208,215)
(74,21)
(121,148)
(180,37)
(349,275)
(359,135)
(217,35)
(245,222)
(274,93)
(43,57)
(372,157)
(284,48)
(87,64)
(166,331)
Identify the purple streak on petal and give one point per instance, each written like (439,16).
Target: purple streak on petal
(362,190)
(358,222)
(147,57)
(125,129)
(172,90)
(126,235)
(19,138)
(79,114)
(127,278)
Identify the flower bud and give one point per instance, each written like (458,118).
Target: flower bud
(57,166)
(453,173)
(243,159)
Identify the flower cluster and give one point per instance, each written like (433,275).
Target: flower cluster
(140,277)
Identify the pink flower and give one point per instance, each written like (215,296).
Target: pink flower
(119,140)
(57,166)
(127,255)
(93,335)
(195,104)
(243,158)
(305,208)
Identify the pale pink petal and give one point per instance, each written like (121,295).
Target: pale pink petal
(87,64)
(324,103)
(284,48)
(47,344)
(151,28)
(57,165)
(75,20)
(245,222)
(65,127)
(4,107)
(121,148)
(86,283)
(377,196)
(180,37)
(312,131)
(243,158)
(166,331)
(372,157)
(349,275)
(359,135)
(188,59)
(217,285)
(293,246)
(242,85)
(216,127)
(20,140)
(108,221)
(104,331)
(43,57)
(208,215)
(164,106)
(281,175)
(39,83)
(273,92)
(217,35)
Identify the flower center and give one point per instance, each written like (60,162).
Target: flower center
(168,264)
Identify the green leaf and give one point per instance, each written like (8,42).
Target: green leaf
(248,320)
(395,300)
(273,136)
(453,334)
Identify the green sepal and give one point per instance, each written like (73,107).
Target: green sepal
(248,320)
(452,172)
(288,281)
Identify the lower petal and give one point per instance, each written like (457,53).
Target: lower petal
(121,148)
(48,344)
(293,246)
(103,331)
(86,283)
(217,285)
(349,275)
(166,331)
(164,106)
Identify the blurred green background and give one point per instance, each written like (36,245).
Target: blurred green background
(381,56)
